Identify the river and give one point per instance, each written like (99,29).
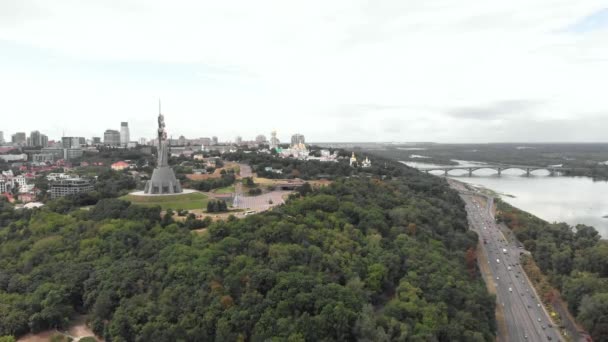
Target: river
(555,199)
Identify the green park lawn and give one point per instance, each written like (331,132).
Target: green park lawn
(225,190)
(195,200)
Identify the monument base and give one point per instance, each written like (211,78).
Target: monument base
(163,182)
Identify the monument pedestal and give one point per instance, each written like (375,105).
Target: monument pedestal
(163,182)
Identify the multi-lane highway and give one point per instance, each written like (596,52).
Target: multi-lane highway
(525,318)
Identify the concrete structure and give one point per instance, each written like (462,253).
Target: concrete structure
(96,141)
(499,168)
(1,137)
(274,142)
(124,134)
(163,181)
(71,142)
(238,140)
(38,139)
(43,157)
(19,138)
(260,139)
(13,157)
(214,140)
(70,186)
(297,139)
(111,138)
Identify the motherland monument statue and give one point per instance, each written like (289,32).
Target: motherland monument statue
(163,181)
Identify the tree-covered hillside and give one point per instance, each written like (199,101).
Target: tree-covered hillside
(363,259)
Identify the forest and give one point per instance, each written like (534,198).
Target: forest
(575,261)
(384,257)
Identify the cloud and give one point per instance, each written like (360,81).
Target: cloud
(597,20)
(498,110)
(368,70)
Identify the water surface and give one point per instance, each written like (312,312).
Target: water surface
(553,198)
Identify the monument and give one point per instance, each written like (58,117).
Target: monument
(163,181)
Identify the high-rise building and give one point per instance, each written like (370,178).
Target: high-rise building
(38,139)
(1,137)
(214,140)
(142,141)
(124,133)
(238,140)
(297,139)
(205,141)
(96,140)
(71,142)
(260,139)
(274,142)
(181,141)
(19,138)
(35,139)
(111,137)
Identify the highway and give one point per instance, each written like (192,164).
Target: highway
(525,317)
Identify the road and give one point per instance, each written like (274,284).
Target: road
(525,317)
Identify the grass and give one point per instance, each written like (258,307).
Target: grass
(195,200)
(226,190)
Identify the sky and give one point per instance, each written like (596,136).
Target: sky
(341,70)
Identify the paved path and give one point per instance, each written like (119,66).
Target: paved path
(262,202)
(245,170)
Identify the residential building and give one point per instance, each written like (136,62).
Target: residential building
(96,141)
(260,139)
(71,142)
(13,157)
(238,140)
(1,137)
(19,138)
(142,141)
(274,142)
(111,137)
(297,139)
(70,186)
(214,140)
(43,157)
(72,153)
(38,139)
(124,134)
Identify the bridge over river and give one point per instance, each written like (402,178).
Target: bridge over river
(553,170)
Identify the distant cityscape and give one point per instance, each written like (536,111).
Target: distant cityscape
(28,158)
(37,147)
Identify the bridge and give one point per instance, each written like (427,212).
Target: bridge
(553,170)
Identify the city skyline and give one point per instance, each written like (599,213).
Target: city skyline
(340,71)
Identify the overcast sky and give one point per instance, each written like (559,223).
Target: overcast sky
(337,70)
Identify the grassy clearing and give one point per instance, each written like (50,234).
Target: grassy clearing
(195,200)
(225,190)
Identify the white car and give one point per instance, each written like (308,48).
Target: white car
(510,289)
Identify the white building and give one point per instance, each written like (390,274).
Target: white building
(124,134)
